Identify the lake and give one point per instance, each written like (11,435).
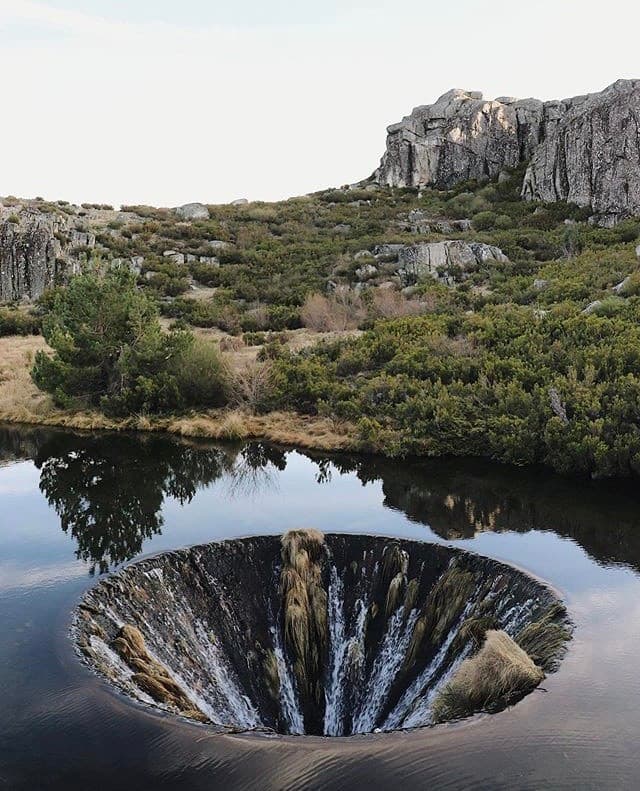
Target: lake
(74,507)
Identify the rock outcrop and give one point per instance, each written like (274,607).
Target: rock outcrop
(461,137)
(29,255)
(592,157)
(439,260)
(585,150)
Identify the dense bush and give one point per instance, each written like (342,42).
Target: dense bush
(14,321)
(563,390)
(110,351)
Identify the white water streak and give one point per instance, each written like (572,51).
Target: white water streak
(344,652)
(421,713)
(231,700)
(385,669)
(288,699)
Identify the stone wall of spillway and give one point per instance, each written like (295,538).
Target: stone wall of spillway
(314,634)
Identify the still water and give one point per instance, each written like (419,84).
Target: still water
(74,507)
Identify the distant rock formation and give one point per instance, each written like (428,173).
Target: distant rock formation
(193,211)
(585,150)
(29,253)
(592,157)
(459,138)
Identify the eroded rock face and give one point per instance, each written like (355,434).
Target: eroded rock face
(29,254)
(592,156)
(585,150)
(461,137)
(313,633)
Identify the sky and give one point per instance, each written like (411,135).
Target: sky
(165,102)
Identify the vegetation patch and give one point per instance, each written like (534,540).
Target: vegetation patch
(500,673)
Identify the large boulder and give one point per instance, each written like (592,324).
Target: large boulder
(439,260)
(193,211)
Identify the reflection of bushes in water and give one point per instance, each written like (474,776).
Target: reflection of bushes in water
(456,498)
(459,498)
(109,489)
(16,445)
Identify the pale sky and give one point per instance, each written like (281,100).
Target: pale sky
(170,101)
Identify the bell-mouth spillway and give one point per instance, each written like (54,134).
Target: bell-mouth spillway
(331,635)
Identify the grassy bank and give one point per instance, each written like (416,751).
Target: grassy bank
(22,402)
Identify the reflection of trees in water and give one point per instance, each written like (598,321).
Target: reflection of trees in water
(255,470)
(108,490)
(459,498)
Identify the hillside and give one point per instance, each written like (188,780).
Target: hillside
(463,320)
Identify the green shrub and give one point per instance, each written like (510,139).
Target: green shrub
(485,220)
(254,338)
(283,317)
(19,322)
(110,351)
(201,376)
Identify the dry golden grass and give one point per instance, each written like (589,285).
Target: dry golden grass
(545,640)
(20,399)
(152,677)
(304,602)
(22,402)
(497,675)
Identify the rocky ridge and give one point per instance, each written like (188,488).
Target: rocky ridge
(437,260)
(585,150)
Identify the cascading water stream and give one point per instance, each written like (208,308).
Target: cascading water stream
(309,634)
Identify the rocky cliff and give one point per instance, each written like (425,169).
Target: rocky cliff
(585,150)
(592,157)
(41,244)
(29,255)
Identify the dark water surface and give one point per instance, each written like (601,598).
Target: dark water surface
(73,507)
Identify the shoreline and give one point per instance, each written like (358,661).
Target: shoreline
(283,428)
(21,403)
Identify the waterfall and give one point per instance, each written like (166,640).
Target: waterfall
(333,635)
(385,669)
